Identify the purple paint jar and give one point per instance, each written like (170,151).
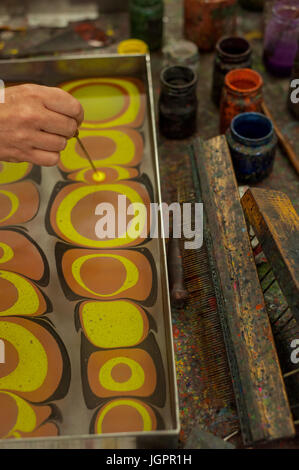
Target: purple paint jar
(281,35)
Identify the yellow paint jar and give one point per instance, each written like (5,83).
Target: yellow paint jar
(132,46)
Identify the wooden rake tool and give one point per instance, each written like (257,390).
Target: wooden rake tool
(259,389)
(200,309)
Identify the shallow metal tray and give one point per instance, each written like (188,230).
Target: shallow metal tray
(53,71)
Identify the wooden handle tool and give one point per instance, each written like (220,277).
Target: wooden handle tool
(284,144)
(85,152)
(178,293)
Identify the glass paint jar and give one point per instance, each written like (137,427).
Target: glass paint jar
(205,22)
(146,20)
(267,13)
(132,46)
(242,92)
(181,53)
(281,38)
(255,5)
(232,52)
(178,102)
(252,143)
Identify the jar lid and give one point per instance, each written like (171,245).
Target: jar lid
(287,11)
(147,3)
(178,79)
(132,46)
(251,128)
(233,49)
(182,52)
(243,81)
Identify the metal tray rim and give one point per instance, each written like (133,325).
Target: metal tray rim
(174,432)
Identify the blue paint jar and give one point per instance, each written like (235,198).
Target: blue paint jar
(252,143)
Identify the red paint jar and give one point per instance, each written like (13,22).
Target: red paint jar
(242,92)
(206,21)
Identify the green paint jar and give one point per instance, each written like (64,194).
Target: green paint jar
(146,19)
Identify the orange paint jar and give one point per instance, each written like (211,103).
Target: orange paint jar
(205,21)
(242,92)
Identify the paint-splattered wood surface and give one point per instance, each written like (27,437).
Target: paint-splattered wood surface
(276,224)
(194,392)
(253,358)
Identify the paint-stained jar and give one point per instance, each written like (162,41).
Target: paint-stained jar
(146,21)
(205,22)
(178,102)
(281,38)
(181,53)
(242,92)
(232,52)
(252,143)
(254,5)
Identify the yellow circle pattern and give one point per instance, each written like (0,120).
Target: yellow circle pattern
(131,280)
(101,102)
(27,302)
(11,172)
(123,155)
(8,253)
(147,422)
(32,368)
(26,419)
(125,118)
(114,324)
(14,204)
(64,211)
(135,382)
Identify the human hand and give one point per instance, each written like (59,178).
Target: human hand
(35,123)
